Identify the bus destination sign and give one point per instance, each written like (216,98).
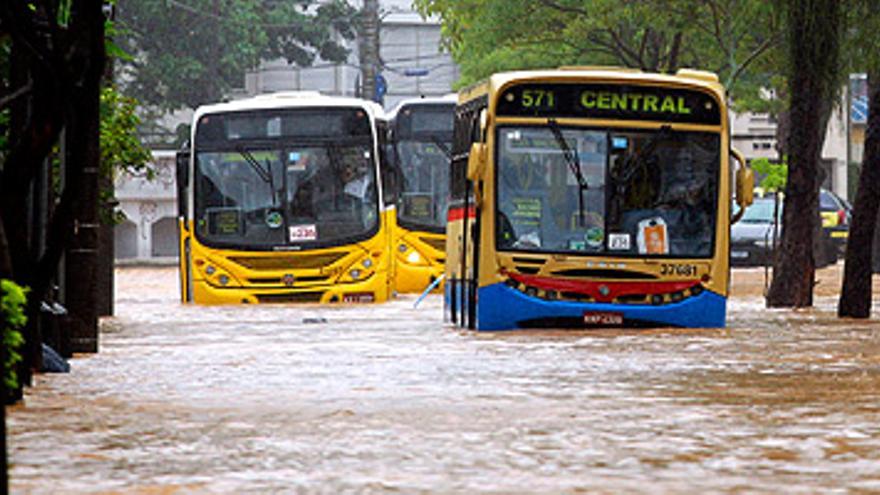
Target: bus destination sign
(609,101)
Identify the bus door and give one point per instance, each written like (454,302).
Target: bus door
(463,232)
(183,223)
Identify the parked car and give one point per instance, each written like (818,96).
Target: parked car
(836,214)
(754,239)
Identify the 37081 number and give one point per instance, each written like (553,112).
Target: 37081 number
(679,269)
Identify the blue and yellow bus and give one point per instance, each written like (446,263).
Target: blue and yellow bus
(588,197)
(420,138)
(280,200)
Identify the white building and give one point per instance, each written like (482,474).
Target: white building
(149,231)
(412,62)
(755,136)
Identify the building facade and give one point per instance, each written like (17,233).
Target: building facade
(149,231)
(412,63)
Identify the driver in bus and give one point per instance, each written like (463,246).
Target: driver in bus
(315,185)
(523,201)
(355,179)
(358,189)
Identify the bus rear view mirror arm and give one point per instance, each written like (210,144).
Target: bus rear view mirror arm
(745,185)
(476,162)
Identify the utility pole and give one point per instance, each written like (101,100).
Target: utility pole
(82,160)
(368,48)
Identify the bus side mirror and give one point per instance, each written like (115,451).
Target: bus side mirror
(182,161)
(476,161)
(182,175)
(745,185)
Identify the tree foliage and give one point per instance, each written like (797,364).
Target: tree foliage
(121,149)
(190,52)
(13,299)
(724,36)
(773,175)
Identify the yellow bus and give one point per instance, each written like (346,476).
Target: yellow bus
(420,139)
(280,200)
(586,197)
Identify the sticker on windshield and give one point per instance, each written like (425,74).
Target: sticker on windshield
(652,236)
(274,219)
(594,236)
(306,232)
(619,242)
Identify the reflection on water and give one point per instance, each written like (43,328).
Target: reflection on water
(385,399)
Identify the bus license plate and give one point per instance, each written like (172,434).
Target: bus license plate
(604,318)
(739,254)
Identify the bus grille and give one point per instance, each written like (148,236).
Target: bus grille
(288,262)
(291,297)
(528,270)
(652,299)
(297,281)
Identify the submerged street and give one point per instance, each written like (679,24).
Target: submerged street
(387,399)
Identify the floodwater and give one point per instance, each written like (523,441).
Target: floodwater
(386,399)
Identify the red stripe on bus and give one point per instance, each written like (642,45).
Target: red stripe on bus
(592,289)
(457,213)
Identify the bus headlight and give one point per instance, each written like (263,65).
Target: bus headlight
(216,275)
(402,247)
(413,258)
(354,273)
(367,263)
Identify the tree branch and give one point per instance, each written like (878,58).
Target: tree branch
(18,93)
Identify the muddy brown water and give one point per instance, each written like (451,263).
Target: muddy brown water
(386,399)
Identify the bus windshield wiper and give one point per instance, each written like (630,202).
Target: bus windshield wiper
(574,165)
(443,147)
(264,175)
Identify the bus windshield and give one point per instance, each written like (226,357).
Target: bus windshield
(638,193)
(423,141)
(424,167)
(285,195)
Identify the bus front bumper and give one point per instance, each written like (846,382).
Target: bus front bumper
(373,289)
(705,310)
(415,279)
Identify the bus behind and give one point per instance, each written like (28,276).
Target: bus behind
(421,146)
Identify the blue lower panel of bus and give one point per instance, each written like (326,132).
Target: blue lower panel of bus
(501,307)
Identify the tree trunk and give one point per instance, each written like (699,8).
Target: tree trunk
(855,295)
(814,28)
